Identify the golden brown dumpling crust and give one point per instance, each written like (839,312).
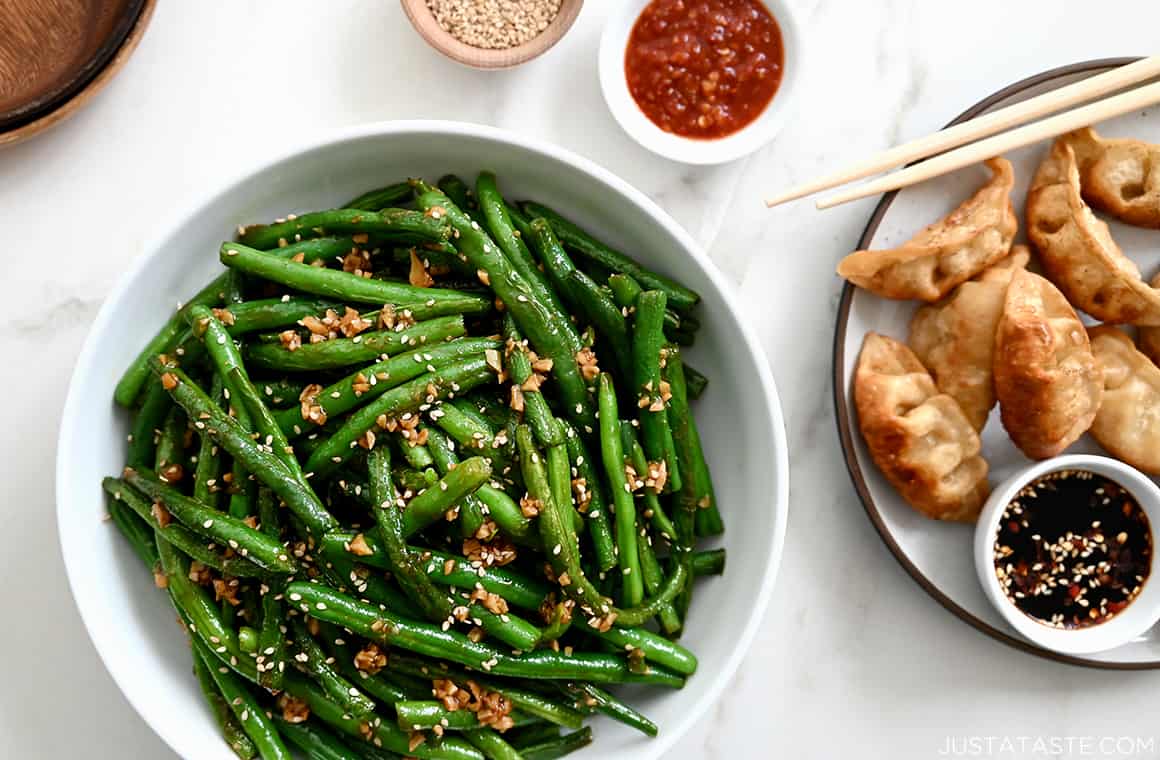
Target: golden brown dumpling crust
(951,251)
(1128,423)
(1120,177)
(1077,250)
(1046,377)
(918,437)
(955,338)
(1149,337)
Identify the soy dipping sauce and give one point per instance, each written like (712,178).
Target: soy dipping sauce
(1074,548)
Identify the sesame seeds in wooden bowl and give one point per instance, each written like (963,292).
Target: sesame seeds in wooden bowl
(492,34)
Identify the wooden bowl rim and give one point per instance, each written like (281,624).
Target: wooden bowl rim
(78,75)
(446,43)
(74,101)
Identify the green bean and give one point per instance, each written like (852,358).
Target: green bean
(343,572)
(653,576)
(532,735)
(170,454)
(552,749)
(315,741)
(147,424)
(271,313)
(687,442)
(648,354)
(391,222)
(471,434)
(207,475)
(696,382)
(246,709)
(381,198)
(257,547)
(599,526)
(593,696)
(605,316)
(654,647)
(433,503)
(460,194)
(557,532)
(551,338)
(181,537)
(471,509)
(537,413)
(234,439)
(231,730)
(428,388)
(389,518)
(652,504)
(282,392)
(519,219)
(343,352)
(247,639)
(170,334)
(492,745)
(271,659)
(582,243)
(519,590)
(384,627)
(384,734)
(423,303)
(311,660)
(137,373)
(136,531)
(612,454)
(417,715)
(198,610)
(227,359)
(371,382)
(709,562)
(499,224)
(624,291)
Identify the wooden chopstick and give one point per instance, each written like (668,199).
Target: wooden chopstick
(1117,105)
(983,126)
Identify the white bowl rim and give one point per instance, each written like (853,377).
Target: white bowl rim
(749,139)
(1138,617)
(446,128)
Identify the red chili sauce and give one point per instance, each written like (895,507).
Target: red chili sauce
(704,68)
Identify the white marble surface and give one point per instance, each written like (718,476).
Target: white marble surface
(853,659)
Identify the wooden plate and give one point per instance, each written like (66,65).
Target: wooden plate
(939,555)
(55,54)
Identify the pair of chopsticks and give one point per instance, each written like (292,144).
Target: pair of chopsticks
(989,127)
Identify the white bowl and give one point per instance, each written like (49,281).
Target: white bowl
(614,85)
(132,624)
(1140,615)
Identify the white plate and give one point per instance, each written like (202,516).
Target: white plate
(132,623)
(939,555)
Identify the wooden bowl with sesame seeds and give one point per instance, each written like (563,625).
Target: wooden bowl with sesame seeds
(492,34)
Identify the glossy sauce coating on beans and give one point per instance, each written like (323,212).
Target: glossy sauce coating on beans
(704,68)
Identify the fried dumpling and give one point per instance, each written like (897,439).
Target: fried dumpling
(1077,250)
(1128,423)
(918,437)
(1119,177)
(955,338)
(949,252)
(1149,337)
(1046,377)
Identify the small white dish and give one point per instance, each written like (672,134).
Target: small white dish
(1140,614)
(614,85)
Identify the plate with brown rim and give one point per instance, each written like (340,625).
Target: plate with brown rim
(939,555)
